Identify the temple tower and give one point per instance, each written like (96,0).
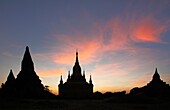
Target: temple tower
(76,85)
(28,83)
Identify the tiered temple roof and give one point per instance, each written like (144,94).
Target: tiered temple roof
(76,85)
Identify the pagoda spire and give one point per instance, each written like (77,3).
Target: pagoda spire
(156,76)
(76,69)
(90,81)
(27,63)
(77,60)
(10,78)
(11,75)
(61,80)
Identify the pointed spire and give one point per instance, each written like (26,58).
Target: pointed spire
(76,69)
(11,73)
(10,79)
(156,76)
(156,71)
(90,81)
(27,63)
(61,80)
(77,61)
(11,76)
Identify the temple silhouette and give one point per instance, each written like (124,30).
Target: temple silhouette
(76,85)
(155,88)
(27,84)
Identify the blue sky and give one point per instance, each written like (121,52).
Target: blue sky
(120,42)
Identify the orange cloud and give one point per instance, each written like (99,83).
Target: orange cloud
(50,73)
(140,83)
(107,38)
(87,48)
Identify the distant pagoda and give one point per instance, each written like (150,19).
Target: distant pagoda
(28,83)
(76,85)
(156,87)
(9,88)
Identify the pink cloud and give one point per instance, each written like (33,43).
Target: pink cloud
(140,83)
(123,32)
(148,29)
(114,35)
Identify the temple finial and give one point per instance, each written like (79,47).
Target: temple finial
(10,79)
(76,52)
(77,61)
(156,76)
(61,80)
(27,48)
(76,68)
(11,75)
(27,63)
(11,71)
(90,81)
(156,70)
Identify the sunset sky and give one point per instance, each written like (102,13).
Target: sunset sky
(120,42)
